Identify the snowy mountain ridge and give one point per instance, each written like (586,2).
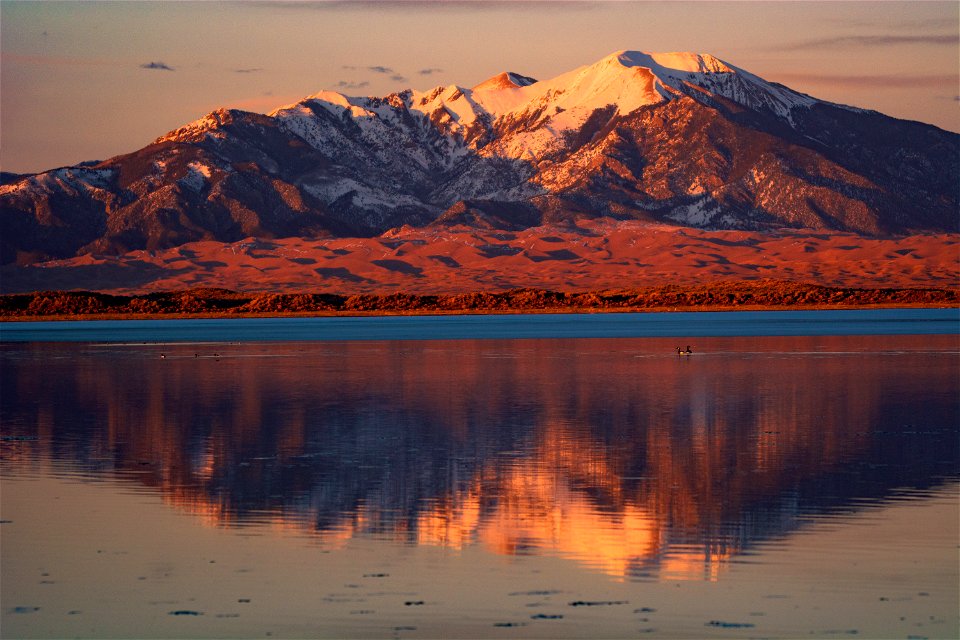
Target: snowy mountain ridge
(626,79)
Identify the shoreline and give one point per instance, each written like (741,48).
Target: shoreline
(224,303)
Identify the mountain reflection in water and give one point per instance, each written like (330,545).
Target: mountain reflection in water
(615,453)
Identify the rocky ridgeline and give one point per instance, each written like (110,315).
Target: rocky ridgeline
(226,302)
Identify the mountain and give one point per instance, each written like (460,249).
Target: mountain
(681,138)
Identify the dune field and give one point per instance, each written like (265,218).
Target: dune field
(593,255)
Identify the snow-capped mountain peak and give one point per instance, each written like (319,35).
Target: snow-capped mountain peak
(505,80)
(696,73)
(625,80)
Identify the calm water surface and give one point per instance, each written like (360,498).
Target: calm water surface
(764,487)
(505,326)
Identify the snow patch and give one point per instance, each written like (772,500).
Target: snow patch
(699,213)
(197,176)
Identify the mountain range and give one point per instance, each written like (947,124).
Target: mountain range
(678,138)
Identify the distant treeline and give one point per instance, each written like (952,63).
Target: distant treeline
(226,302)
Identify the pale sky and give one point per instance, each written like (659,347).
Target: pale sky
(91,80)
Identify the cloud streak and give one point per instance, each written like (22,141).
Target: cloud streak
(344,84)
(942,22)
(885,40)
(376,68)
(159,66)
(251,70)
(373,68)
(430,71)
(872,82)
(470,6)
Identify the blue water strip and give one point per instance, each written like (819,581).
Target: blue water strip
(491,326)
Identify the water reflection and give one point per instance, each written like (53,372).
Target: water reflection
(615,453)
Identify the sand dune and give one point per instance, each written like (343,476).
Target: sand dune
(591,256)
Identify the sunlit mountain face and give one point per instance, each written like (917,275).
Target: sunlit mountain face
(618,455)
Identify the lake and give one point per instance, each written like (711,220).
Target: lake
(237,480)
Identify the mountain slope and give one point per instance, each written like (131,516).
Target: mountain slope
(680,137)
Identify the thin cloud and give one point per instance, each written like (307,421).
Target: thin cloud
(398,78)
(430,71)
(931,23)
(899,25)
(376,68)
(252,70)
(891,81)
(343,84)
(471,6)
(160,66)
(840,42)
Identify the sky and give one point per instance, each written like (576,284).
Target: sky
(88,80)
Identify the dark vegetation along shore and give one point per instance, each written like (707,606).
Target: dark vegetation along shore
(223,302)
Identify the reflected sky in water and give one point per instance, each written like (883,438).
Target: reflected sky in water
(617,454)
